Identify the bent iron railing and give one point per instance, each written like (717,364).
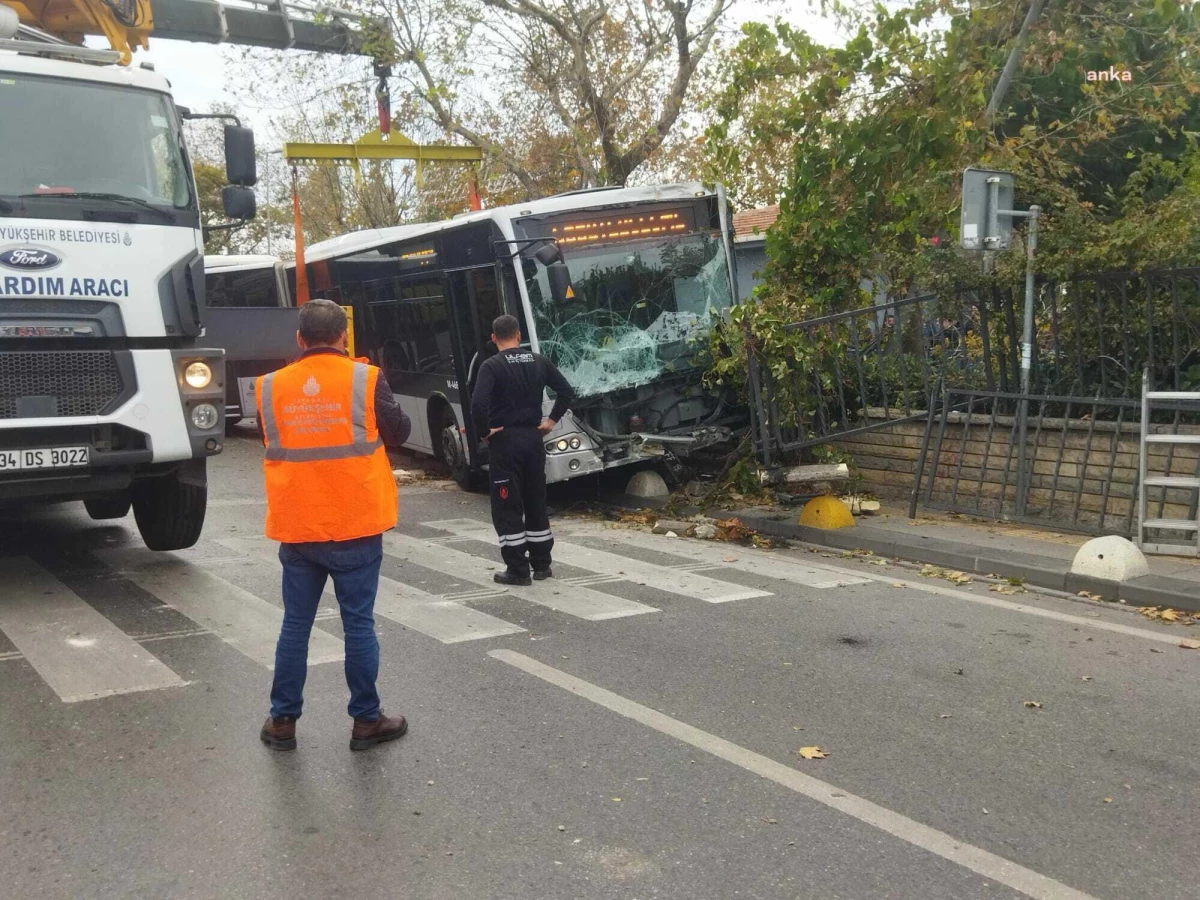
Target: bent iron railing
(1093,336)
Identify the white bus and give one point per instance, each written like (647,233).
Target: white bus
(251,317)
(619,287)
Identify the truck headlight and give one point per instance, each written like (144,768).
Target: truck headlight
(198,375)
(576,443)
(562,445)
(204,415)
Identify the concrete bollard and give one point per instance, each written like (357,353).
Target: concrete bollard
(1111,558)
(826,513)
(647,483)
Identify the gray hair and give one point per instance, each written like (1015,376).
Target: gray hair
(322,322)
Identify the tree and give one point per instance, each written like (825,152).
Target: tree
(865,144)
(561,94)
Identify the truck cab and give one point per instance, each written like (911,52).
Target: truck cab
(109,391)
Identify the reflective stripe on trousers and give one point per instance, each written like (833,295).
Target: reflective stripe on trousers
(359,445)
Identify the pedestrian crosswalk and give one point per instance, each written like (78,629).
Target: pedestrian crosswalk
(227,588)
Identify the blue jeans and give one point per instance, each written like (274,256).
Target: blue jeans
(354,567)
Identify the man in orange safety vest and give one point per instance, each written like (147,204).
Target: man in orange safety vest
(330,496)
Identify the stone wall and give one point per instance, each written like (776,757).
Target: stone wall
(1098,470)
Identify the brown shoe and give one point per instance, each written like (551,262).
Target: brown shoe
(367,734)
(279,734)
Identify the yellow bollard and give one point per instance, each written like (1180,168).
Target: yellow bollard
(826,513)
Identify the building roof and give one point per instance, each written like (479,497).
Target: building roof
(752,224)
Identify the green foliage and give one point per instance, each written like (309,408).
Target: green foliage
(863,146)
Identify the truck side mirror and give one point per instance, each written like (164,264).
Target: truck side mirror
(241,166)
(559,277)
(239,202)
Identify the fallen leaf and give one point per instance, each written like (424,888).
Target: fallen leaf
(898,584)
(1085,678)
(1090,596)
(944,716)
(813,753)
(1189,644)
(616,799)
(1008,589)
(1108,799)
(1031,704)
(1155,650)
(1169,615)
(730,559)
(771,821)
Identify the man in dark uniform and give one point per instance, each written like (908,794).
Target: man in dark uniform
(507,410)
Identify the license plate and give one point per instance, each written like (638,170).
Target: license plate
(43,458)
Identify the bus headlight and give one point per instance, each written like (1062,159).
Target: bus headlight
(204,415)
(198,375)
(562,445)
(576,443)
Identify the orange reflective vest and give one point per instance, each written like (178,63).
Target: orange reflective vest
(327,474)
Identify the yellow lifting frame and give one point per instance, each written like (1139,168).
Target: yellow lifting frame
(374,146)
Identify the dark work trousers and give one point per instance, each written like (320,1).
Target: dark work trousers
(517,462)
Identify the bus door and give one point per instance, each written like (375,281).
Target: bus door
(475,300)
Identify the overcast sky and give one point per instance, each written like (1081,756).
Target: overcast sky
(201,77)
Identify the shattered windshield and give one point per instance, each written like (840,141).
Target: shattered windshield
(641,310)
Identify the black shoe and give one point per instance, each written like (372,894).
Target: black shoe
(513,578)
(543,574)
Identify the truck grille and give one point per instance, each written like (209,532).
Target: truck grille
(38,383)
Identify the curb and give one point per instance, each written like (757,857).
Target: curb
(1038,571)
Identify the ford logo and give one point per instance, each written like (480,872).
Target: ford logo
(25,258)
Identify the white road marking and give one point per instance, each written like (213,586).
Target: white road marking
(574,601)
(769,559)
(980,861)
(444,620)
(768,565)
(243,620)
(79,653)
(698,587)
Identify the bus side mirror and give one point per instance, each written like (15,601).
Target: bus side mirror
(559,277)
(241,167)
(239,202)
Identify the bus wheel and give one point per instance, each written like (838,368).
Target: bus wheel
(454,455)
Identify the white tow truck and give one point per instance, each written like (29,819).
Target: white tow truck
(111,392)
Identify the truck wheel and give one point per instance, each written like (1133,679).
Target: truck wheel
(170,509)
(100,508)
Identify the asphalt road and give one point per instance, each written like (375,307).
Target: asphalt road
(629,730)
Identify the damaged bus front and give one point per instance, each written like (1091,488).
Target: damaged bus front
(622,298)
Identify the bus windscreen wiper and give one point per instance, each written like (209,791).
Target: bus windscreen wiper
(98,195)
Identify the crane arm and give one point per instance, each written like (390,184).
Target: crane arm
(128,24)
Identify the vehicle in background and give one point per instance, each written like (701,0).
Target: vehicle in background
(618,286)
(251,317)
(110,391)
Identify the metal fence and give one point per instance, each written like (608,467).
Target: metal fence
(1076,468)
(875,357)
(1093,337)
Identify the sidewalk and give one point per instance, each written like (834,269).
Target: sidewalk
(1039,558)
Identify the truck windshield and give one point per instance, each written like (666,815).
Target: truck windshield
(67,143)
(640,311)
